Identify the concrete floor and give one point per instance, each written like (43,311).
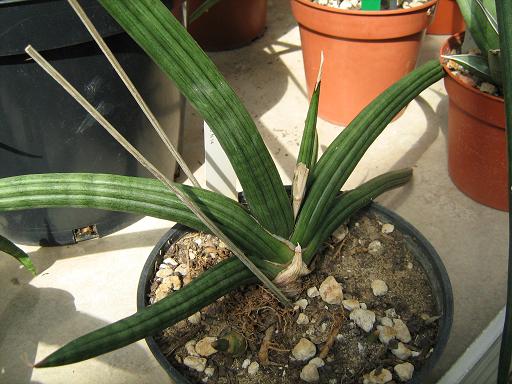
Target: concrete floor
(84,286)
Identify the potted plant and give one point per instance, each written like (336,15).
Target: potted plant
(273,239)
(447,20)
(226,24)
(477,160)
(366,51)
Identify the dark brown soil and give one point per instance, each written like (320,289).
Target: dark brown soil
(252,310)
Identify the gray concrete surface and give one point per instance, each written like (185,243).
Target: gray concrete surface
(84,286)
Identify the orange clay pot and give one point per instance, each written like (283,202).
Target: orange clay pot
(229,24)
(447,20)
(477,160)
(365,52)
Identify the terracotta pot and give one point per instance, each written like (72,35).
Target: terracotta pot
(365,52)
(447,20)
(229,24)
(477,160)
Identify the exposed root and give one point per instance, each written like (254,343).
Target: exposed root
(265,345)
(336,326)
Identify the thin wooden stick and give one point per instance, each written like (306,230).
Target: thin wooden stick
(131,87)
(150,167)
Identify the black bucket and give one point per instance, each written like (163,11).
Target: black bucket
(419,246)
(42,129)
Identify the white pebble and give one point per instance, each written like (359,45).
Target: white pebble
(182,269)
(351,304)
(195,318)
(170,261)
(384,376)
(313,292)
(404,371)
(387,228)
(196,363)
(379,287)
(204,346)
(309,373)
(302,304)
(386,334)
(253,368)
(191,254)
(488,88)
(209,371)
(402,352)
(164,272)
(331,291)
(304,350)
(317,361)
(363,318)
(190,347)
(246,363)
(391,312)
(386,321)
(340,233)
(402,332)
(375,247)
(302,319)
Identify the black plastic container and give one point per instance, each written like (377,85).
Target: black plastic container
(419,246)
(42,129)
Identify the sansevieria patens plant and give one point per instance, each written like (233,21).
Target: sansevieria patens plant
(279,238)
(481,21)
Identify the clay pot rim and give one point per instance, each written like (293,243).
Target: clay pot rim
(352,12)
(458,37)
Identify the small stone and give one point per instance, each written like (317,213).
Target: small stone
(313,292)
(404,371)
(309,373)
(198,241)
(345,4)
(387,228)
(360,348)
(190,347)
(331,291)
(363,318)
(333,381)
(174,281)
(302,319)
(209,371)
(304,350)
(246,363)
(386,321)
(196,363)
(340,337)
(468,80)
(402,352)
(163,266)
(375,247)
(182,269)
(386,334)
(302,304)
(391,312)
(488,88)
(351,304)
(162,291)
(170,261)
(409,265)
(363,306)
(379,287)
(191,254)
(375,377)
(402,332)
(195,318)
(253,368)
(164,272)
(323,327)
(340,233)
(204,346)
(317,361)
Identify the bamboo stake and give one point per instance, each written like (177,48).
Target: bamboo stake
(131,87)
(150,167)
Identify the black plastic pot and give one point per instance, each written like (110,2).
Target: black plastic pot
(44,130)
(419,246)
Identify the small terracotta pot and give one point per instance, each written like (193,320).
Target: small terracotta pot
(477,160)
(448,20)
(365,52)
(229,24)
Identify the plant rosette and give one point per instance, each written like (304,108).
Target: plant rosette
(365,52)
(477,160)
(378,306)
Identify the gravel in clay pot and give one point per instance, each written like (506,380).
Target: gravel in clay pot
(378,305)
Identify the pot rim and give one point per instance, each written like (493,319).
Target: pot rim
(459,37)
(354,12)
(436,268)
